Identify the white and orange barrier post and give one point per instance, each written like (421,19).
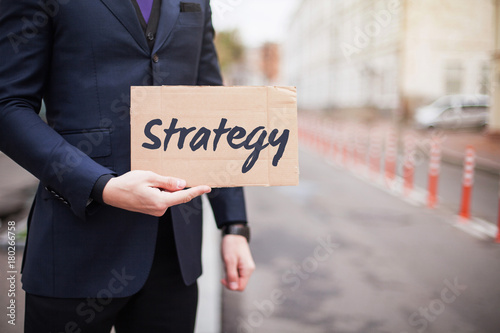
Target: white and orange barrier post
(409,163)
(303,125)
(356,139)
(321,138)
(391,156)
(359,146)
(375,152)
(312,133)
(326,140)
(345,146)
(364,149)
(468,182)
(310,136)
(317,135)
(330,139)
(307,131)
(434,171)
(337,143)
(334,152)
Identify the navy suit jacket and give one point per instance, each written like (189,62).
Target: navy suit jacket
(81,57)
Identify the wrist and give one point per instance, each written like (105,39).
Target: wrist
(108,192)
(97,193)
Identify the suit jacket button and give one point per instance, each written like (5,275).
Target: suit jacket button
(156,58)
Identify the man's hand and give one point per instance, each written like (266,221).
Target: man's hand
(148,193)
(238,262)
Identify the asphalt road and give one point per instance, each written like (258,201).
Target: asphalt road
(336,254)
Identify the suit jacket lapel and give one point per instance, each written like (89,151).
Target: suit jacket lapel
(125,12)
(170,10)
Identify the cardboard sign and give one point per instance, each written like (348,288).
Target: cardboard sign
(216,136)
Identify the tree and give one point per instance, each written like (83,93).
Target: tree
(229,48)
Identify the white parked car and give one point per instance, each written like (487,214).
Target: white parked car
(454,111)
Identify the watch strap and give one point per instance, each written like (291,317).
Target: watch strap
(237,229)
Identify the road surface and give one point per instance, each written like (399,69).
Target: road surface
(336,254)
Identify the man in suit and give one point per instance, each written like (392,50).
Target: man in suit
(108,246)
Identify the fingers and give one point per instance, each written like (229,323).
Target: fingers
(161,201)
(242,279)
(232,280)
(180,197)
(238,262)
(148,193)
(244,274)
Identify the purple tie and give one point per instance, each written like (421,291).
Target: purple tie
(145,6)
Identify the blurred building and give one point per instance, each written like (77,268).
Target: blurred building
(270,62)
(494,124)
(388,55)
(259,66)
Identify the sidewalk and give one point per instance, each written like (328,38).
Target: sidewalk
(487,149)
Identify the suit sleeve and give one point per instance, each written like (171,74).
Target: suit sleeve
(25,49)
(208,70)
(228,204)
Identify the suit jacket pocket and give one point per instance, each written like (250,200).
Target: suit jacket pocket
(190,7)
(191,19)
(96,143)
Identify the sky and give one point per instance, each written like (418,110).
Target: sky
(258,21)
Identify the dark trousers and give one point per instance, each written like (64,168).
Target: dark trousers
(164,304)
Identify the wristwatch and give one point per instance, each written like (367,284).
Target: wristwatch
(237,229)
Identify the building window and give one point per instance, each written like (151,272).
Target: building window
(454,77)
(484,79)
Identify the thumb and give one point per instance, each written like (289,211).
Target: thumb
(184,196)
(170,184)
